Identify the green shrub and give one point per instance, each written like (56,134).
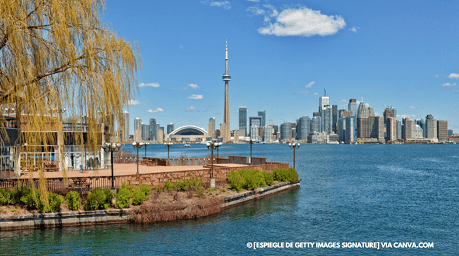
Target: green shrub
(182,185)
(168,186)
(29,198)
(285,174)
(5,196)
(146,189)
(138,196)
(201,192)
(236,181)
(73,200)
(269,178)
(123,198)
(128,186)
(98,200)
(253,179)
(55,202)
(158,188)
(292,175)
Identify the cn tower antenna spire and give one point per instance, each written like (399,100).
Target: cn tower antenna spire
(226,49)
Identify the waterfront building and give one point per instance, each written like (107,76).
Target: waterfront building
(350,129)
(342,130)
(334,118)
(398,133)
(442,130)
(285,131)
(391,126)
(318,138)
(326,115)
(170,128)
(137,123)
(152,129)
(364,126)
(145,131)
(268,134)
(226,113)
(418,132)
(160,133)
(138,135)
(243,121)
(352,107)
(315,124)
(393,112)
(450,132)
(188,133)
(303,128)
(276,130)
(378,130)
(210,130)
(254,133)
(236,136)
(431,127)
(262,114)
(254,121)
(126,126)
(407,129)
(387,114)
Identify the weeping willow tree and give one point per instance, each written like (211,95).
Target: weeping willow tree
(56,55)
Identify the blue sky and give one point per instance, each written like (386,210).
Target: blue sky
(282,54)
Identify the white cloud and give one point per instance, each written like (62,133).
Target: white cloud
(453,76)
(255,1)
(316,93)
(256,10)
(436,76)
(190,109)
(310,84)
(301,22)
(136,102)
(194,86)
(354,29)
(224,4)
(448,84)
(149,84)
(155,111)
(412,107)
(406,116)
(195,97)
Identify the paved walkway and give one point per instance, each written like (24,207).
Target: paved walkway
(126,169)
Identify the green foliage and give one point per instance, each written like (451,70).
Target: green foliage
(195,183)
(5,196)
(269,178)
(201,192)
(182,185)
(123,198)
(73,200)
(158,188)
(285,174)
(146,189)
(98,199)
(55,202)
(236,181)
(128,186)
(138,196)
(168,186)
(254,179)
(29,198)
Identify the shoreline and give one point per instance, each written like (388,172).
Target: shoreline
(117,216)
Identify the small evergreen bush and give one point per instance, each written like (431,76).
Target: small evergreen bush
(253,179)
(195,183)
(128,186)
(73,200)
(5,196)
(168,186)
(236,181)
(146,189)
(55,202)
(123,198)
(269,178)
(98,200)
(285,174)
(138,196)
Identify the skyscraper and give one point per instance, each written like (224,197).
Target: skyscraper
(243,121)
(431,127)
(286,131)
(170,128)
(352,107)
(442,130)
(303,128)
(153,129)
(391,129)
(226,117)
(350,129)
(263,117)
(335,118)
(407,129)
(254,121)
(325,116)
(126,126)
(137,123)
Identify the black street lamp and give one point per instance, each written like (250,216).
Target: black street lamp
(251,142)
(168,145)
(212,145)
(111,147)
(294,146)
(146,144)
(137,145)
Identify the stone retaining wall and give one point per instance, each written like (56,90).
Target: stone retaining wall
(83,218)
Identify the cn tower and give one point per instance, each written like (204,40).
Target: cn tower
(226,118)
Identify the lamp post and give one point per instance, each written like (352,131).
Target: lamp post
(137,145)
(168,145)
(146,144)
(111,147)
(251,142)
(294,146)
(212,145)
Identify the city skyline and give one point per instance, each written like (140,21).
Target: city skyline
(388,58)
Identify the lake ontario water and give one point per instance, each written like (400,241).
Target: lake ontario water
(349,193)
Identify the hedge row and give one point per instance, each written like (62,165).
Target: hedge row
(33,199)
(252,179)
(128,194)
